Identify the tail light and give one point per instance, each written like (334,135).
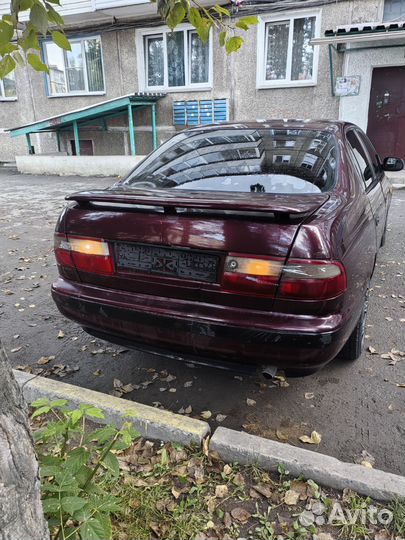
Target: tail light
(298,279)
(254,275)
(87,254)
(312,280)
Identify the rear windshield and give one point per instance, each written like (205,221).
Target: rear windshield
(286,161)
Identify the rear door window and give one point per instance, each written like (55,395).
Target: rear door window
(361,158)
(299,161)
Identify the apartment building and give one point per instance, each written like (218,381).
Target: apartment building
(305,59)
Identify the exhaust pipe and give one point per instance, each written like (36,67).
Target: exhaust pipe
(269,372)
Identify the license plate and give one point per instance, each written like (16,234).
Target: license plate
(181,263)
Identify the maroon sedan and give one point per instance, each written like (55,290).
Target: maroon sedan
(251,243)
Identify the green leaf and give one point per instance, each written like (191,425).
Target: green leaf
(94,412)
(39,19)
(58,403)
(53,16)
(111,462)
(94,529)
(82,475)
(50,505)
(46,408)
(29,40)
(242,25)
(7,48)
(203,30)
(6,32)
(233,44)
(176,16)
(35,62)
(194,16)
(101,435)
(76,459)
(250,20)
(221,10)
(75,416)
(222,37)
(25,4)
(72,504)
(49,470)
(40,402)
(61,40)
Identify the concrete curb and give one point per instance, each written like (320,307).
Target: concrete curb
(398,186)
(235,446)
(150,422)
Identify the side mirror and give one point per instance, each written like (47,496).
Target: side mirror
(393,164)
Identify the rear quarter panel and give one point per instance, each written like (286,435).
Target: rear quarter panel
(344,230)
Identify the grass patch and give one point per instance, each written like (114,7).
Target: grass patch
(167,491)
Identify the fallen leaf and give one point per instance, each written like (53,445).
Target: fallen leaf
(240,514)
(117,383)
(281,436)
(227,520)
(98,351)
(366,464)
(126,388)
(250,402)
(291,497)
(309,395)
(221,491)
(61,334)
(206,415)
(389,319)
(315,438)
(372,350)
(220,417)
(172,390)
(187,384)
(227,470)
(263,490)
(98,372)
(45,360)
(16,349)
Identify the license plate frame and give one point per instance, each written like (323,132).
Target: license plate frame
(180,263)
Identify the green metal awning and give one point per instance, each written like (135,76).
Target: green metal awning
(99,112)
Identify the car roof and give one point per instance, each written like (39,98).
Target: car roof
(281,123)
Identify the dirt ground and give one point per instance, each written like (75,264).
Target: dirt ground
(358,409)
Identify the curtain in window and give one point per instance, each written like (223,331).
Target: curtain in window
(154,50)
(277,48)
(175,58)
(198,58)
(75,68)
(94,65)
(303,51)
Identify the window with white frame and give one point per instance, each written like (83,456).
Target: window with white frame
(285,54)
(175,60)
(394,10)
(7,88)
(79,71)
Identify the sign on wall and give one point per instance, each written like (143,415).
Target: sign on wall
(347,86)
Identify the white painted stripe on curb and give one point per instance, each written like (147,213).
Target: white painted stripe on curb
(235,446)
(150,422)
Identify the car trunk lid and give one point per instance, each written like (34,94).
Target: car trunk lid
(174,244)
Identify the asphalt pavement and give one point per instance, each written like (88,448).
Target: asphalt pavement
(357,408)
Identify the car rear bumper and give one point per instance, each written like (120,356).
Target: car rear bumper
(166,325)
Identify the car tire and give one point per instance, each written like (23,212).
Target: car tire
(354,345)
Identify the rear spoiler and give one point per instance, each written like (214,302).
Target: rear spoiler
(170,199)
